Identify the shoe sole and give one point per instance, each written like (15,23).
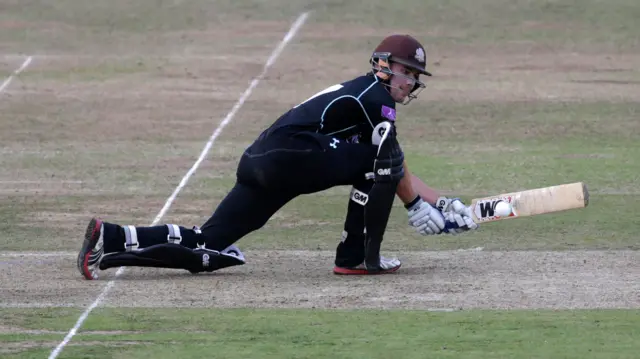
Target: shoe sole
(352,271)
(91,237)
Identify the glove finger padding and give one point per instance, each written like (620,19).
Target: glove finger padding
(425,219)
(425,230)
(419,216)
(436,222)
(455,217)
(470,223)
(457,207)
(455,224)
(465,213)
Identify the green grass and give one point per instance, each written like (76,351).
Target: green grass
(588,25)
(48,220)
(605,224)
(147,15)
(57,319)
(173,333)
(576,24)
(588,124)
(145,27)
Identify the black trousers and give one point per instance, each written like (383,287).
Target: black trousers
(280,167)
(275,169)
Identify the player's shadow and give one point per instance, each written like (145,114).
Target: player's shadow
(171,275)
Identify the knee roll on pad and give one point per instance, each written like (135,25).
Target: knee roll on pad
(388,165)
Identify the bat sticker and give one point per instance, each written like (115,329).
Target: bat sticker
(486,209)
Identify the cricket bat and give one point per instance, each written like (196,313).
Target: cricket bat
(532,202)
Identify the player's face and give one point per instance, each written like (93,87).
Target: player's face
(402,82)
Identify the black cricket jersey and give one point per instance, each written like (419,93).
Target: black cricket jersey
(347,111)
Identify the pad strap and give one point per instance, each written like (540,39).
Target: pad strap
(174,234)
(131,238)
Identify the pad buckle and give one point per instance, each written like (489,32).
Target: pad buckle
(174,239)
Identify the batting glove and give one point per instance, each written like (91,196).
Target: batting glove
(424,218)
(457,215)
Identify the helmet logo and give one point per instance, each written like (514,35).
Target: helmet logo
(419,54)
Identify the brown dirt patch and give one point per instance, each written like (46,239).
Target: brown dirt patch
(447,280)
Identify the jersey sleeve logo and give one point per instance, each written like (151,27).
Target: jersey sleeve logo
(388,113)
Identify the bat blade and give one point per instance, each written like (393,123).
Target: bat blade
(532,202)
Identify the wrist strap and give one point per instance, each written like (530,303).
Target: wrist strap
(413,202)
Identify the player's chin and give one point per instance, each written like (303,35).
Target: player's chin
(403,99)
(403,96)
(400,98)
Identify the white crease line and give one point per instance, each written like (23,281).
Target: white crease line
(274,55)
(15,73)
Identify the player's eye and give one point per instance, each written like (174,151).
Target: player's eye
(410,73)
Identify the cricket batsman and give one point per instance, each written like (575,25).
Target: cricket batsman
(344,135)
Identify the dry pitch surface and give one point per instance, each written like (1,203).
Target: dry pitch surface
(443,280)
